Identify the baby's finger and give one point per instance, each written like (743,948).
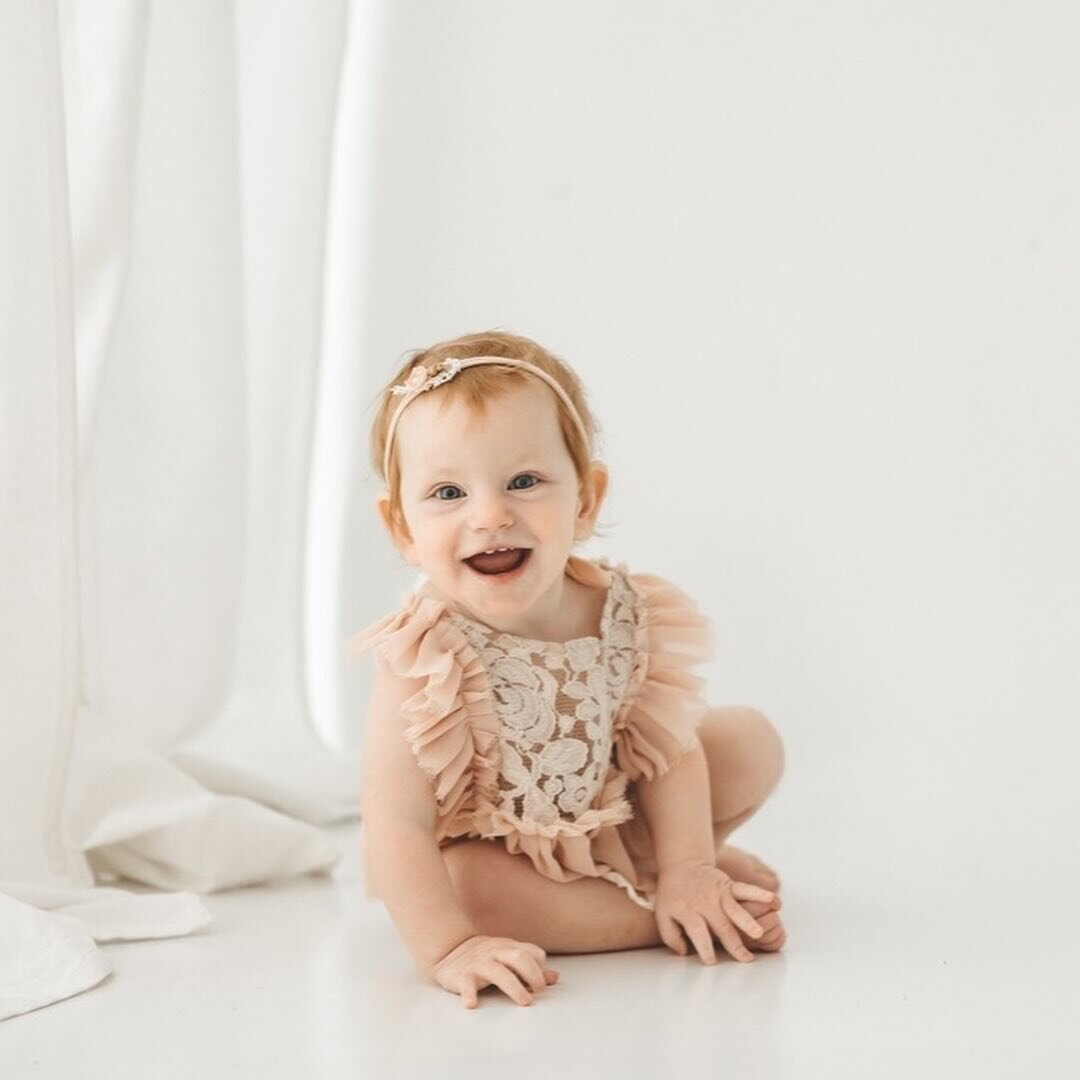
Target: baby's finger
(508,982)
(536,951)
(670,934)
(740,916)
(698,932)
(550,976)
(729,937)
(526,966)
(769,921)
(759,909)
(467,989)
(743,890)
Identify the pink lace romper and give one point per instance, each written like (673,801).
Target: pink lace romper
(538,743)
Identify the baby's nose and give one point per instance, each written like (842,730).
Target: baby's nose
(490,512)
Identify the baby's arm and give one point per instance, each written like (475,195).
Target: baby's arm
(678,809)
(692,892)
(399,813)
(398,810)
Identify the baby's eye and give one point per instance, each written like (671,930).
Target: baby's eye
(446,487)
(524,476)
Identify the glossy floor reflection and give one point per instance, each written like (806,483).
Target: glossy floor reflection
(304,979)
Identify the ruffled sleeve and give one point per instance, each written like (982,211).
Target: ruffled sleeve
(664,701)
(450,721)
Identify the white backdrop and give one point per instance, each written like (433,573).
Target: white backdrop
(818,267)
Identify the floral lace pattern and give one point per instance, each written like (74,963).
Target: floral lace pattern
(556,702)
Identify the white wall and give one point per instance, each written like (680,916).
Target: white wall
(817,265)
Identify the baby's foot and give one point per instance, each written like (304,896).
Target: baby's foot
(767,916)
(742,866)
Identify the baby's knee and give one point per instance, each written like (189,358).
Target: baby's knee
(747,739)
(768,744)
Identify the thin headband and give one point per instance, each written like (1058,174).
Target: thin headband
(421,379)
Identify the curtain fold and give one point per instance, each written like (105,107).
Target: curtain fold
(38,553)
(165,205)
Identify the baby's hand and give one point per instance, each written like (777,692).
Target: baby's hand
(705,901)
(503,962)
(768,917)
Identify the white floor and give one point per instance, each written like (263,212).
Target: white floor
(892,969)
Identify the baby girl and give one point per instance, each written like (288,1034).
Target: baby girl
(542,773)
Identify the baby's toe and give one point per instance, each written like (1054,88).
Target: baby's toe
(773,935)
(772,942)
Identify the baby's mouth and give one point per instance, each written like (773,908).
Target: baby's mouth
(500,562)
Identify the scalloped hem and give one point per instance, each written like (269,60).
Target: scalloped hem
(648,903)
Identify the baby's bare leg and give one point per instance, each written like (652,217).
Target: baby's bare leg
(505,897)
(745,756)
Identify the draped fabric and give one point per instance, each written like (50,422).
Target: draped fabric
(164,173)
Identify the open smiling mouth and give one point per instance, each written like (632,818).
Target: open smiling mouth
(499,563)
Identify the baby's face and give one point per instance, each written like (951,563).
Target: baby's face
(471,483)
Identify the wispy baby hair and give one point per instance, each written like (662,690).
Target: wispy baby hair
(477,387)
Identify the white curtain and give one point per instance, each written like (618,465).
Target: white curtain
(165,177)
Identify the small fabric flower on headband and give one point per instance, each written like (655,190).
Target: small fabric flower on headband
(420,378)
(417,377)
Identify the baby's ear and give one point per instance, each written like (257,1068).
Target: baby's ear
(396,527)
(593,491)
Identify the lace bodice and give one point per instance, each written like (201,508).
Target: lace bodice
(537,743)
(555,702)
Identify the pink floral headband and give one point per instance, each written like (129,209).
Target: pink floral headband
(421,379)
